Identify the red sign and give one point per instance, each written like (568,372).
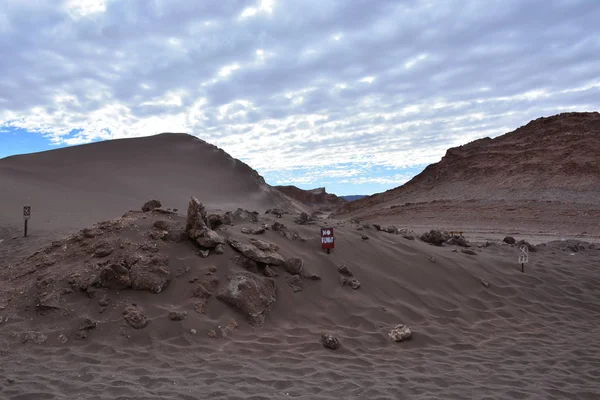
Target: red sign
(327,239)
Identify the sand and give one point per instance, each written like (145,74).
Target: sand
(531,335)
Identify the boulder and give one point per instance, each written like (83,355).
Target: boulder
(152,278)
(87,324)
(196,226)
(364,237)
(434,237)
(219,249)
(135,318)
(276,212)
(377,227)
(114,276)
(254,253)
(458,240)
(329,341)
(302,219)
(270,272)
(151,205)
(293,265)
(162,225)
(392,229)
(177,315)
(246,231)
(400,333)
(264,245)
(509,240)
(209,239)
(252,295)
(215,220)
(295,283)
(530,247)
(246,215)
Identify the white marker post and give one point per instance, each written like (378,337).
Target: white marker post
(524,256)
(26,216)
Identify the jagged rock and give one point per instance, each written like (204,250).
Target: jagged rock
(48,301)
(151,205)
(302,219)
(434,237)
(153,278)
(400,333)
(215,220)
(408,237)
(35,337)
(254,253)
(197,228)
(87,324)
(246,215)
(364,237)
(377,227)
(264,245)
(114,276)
(219,249)
(353,283)
(209,239)
(270,272)
(344,270)
(293,265)
(103,249)
(135,318)
(457,240)
(295,283)
(251,295)
(277,212)
(329,341)
(509,240)
(177,315)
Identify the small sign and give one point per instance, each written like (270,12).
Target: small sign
(26,212)
(327,238)
(524,256)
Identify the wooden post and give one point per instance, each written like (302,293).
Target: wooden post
(25,234)
(522,267)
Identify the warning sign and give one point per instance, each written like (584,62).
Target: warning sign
(327,238)
(26,212)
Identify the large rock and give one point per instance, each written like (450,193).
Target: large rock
(302,219)
(135,318)
(153,278)
(400,333)
(252,252)
(151,205)
(197,227)
(114,276)
(246,215)
(252,295)
(434,237)
(293,265)
(329,341)
(509,240)
(264,245)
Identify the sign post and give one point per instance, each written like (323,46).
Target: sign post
(26,216)
(327,239)
(523,257)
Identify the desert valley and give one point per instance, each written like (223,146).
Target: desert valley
(162,268)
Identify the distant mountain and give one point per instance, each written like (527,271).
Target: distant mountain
(353,197)
(314,198)
(552,159)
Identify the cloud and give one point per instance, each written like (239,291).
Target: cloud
(297,85)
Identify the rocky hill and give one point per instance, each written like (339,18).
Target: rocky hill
(553,159)
(315,198)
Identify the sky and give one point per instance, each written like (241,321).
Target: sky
(354,95)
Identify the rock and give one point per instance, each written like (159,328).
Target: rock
(209,239)
(135,318)
(153,278)
(302,219)
(197,228)
(294,265)
(212,269)
(364,237)
(392,229)
(295,283)
(329,341)
(103,250)
(400,333)
(81,335)
(203,253)
(247,231)
(216,220)
(219,249)
(258,231)
(114,276)
(310,276)
(177,315)
(377,227)
(87,324)
(353,283)
(246,215)
(408,237)
(469,252)
(252,252)
(162,225)
(62,338)
(344,270)
(201,291)
(250,294)
(276,212)
(35,337)
(484,283)
(359,228)
(270,272)
(434,237)
(193,331)
(530,247)
(48,301)
(278,227)
(103,302)
(263,245)
(509,240)
(432,259)
(457,240)
(212,334)
(151,205)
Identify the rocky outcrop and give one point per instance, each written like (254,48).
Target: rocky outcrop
(251,294)
(265,256)
(302,219)
(434,237)
(197,228)
(458,240)
(151,205)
